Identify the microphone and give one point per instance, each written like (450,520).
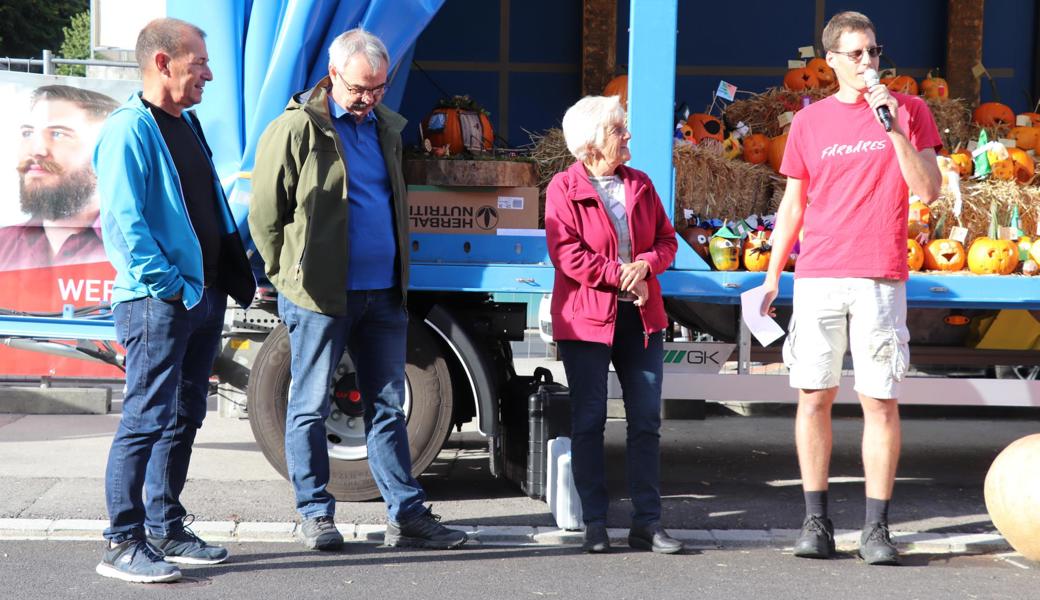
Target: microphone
(870,77)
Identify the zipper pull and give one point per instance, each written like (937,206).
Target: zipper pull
(646,340)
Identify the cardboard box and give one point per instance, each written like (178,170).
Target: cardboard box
(473,210)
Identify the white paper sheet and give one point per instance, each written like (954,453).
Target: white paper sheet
(764,328)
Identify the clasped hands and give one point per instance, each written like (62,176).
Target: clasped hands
(633,279)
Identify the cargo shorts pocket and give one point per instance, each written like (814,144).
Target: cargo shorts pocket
(890,350)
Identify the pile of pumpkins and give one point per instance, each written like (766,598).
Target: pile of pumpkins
(987,255)
(730,247)
(1012,163)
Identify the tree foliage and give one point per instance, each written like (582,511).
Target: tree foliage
(76,44)
(28,27)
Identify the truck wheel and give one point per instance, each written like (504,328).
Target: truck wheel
(428,410)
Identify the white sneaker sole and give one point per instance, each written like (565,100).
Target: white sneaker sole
(109,571)
(187,560)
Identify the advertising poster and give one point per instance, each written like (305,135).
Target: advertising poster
(51,255)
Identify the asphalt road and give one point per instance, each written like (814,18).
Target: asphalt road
(58,570)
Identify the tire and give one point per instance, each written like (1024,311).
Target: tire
(428,410)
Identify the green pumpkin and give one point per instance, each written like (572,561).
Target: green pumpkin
(725,252)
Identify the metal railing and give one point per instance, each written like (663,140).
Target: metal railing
(48,63)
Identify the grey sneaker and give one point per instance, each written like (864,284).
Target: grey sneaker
(876,547)
(137,562)
(187,548)
(424,531)
(817,538)
(320,533)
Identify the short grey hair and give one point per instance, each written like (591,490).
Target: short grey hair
(163,35)
(358,41)
(585,123)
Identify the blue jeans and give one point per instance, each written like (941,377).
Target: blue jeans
(639,372)
(374,331)
(169,357)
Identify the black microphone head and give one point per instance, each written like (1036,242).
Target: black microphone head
(870,77)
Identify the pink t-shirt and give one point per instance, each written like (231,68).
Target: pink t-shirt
(856,216)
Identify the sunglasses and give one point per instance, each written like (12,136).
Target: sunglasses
(857,55)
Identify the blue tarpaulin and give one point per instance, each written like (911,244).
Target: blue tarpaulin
(262,52)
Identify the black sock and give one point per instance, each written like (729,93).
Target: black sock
(877,511)
(816,504)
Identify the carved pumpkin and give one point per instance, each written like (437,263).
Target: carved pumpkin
(914,255)
(935,88)
(459,130)
(756,148)
(731,147)
(705,126)
(1026,138)
(800,79)
(687,133)
(618,86)
(776,151)
(725,252)
(824,73)
(1034,118)
(904,84)
(964,163)
(988,256)
(1022,163)
(944,255)
(757,250)
(993,114)
(1002,169)
(920,219)
(697,237)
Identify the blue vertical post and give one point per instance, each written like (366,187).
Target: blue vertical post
(651,90)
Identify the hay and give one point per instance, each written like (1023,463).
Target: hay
(953,118)
(552,156)
(759,112)
(713,186)
(977,198)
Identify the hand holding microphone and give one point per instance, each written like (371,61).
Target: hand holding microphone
(870,77)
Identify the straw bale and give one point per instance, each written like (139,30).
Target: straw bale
(759,112)
(713,186)
(977,197)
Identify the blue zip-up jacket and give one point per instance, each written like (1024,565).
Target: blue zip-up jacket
(145,225)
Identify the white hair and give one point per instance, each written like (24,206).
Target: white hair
(585,123)
(358,41)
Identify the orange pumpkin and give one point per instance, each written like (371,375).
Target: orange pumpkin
(756,148)
(824,73)
(776,151)
(757,251)
(457,129)
(919,220)
(705,126)
(935,88)
(904,84)
(1026,138)
(618,86)
(964,163)
(1022,164)
(993,114)
(944,255)
(687,133)
(1034,118)
(800,79)
(988,256)
(1003,170)
(914,255)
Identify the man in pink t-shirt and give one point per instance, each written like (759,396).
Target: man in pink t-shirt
(847,190)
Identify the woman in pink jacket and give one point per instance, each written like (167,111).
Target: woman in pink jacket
(608,237)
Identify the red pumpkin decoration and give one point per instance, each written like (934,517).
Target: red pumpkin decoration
(935,88)
(988,256)
(914,255)
(964,163)
(757,251)
(1022,164)
(618,86)
(705,126)
(459,130)
(993,114)
(756,148)
(800,79)
(776,151)
(904,84)
(1026,138)
(944,255)
(824,73)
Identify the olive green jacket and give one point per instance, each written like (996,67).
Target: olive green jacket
(299,213)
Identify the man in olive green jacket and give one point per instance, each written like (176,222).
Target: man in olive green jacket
(330,219)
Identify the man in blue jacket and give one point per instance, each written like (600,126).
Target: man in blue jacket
(171,237)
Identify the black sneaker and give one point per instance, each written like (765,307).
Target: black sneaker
(320,533)
(876,547)
(423,531)
(597,540)
(653,537)
(187,548)
(137,562)
(817,538)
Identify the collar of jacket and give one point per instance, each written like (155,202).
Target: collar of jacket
(581,188)
(314,102)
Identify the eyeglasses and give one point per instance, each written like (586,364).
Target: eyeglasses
(618,130)
(857,55)
(355,90)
